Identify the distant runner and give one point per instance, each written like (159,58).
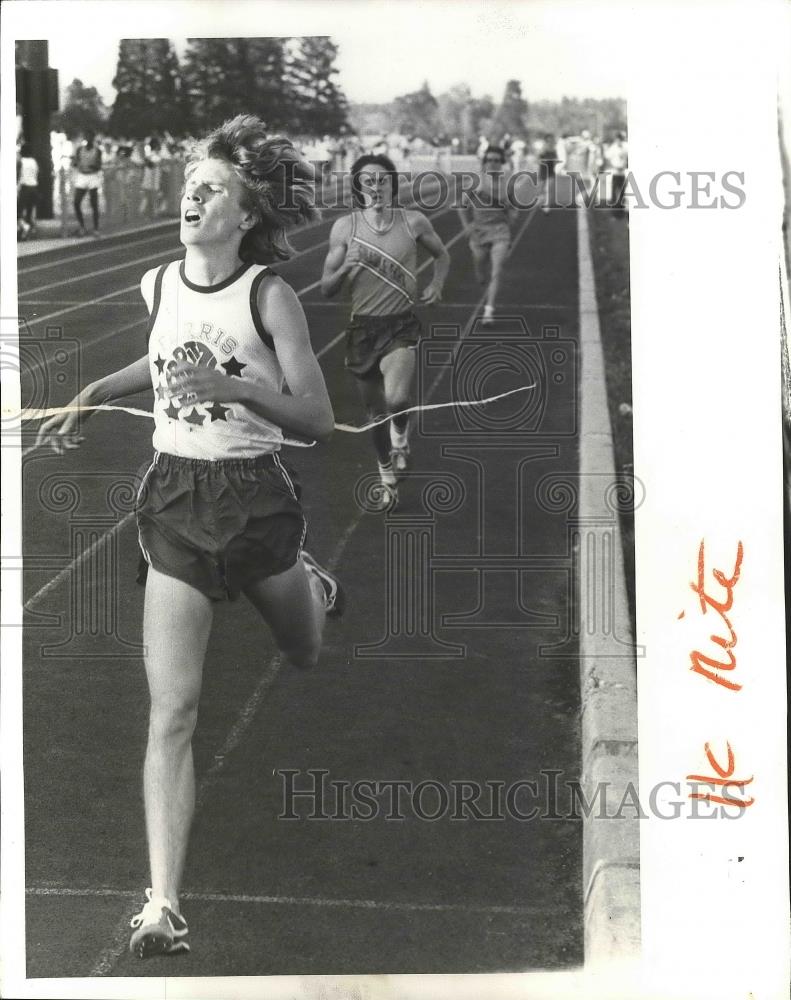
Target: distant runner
(374,252)
(489,221)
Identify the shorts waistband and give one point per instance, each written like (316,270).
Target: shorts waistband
(382,317)
(165,460)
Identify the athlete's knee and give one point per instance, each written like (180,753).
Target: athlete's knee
(398,399)
(173,716)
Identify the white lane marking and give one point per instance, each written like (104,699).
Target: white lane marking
(85,275)
(207,896)
(109,955)
(62,574)
(99,253)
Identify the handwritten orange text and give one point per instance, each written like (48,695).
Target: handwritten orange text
(722,779)
(713,667)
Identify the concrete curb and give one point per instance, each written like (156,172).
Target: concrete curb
(611,846)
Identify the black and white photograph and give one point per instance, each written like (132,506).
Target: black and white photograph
(385,596)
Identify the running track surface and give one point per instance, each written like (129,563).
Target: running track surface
(265,895)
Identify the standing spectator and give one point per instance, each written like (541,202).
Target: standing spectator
(406,150)
(88,166)
(548,163)
(617,159)
(561,153)
(125,176)
(518,150)
(27,191)
(323,156)
(149,190)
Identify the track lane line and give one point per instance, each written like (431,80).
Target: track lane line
(109,956)
(85,275)
(209,896)
(119,525)
(103,298)
(22,271)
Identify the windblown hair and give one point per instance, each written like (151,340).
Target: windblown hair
(372,160)
(278,183)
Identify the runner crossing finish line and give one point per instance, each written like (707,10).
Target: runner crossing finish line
(42,414)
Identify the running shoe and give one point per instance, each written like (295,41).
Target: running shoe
(334,596)
(382,498)
(387,474)
(488,315)
(79,231)
(399,459)
(157,929)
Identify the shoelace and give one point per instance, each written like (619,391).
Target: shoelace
(151,911)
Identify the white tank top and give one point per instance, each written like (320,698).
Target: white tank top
(218,326)
(28,173)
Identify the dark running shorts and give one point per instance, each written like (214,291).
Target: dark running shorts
(484,238)
(219,526)
(370,338)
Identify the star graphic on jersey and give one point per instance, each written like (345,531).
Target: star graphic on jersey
(195,417)
(234,367)
(172,411)
(160,392)
(218,411)
(160,363)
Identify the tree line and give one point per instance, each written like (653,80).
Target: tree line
(289,82)
(459,114)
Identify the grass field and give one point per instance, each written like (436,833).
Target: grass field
(610,248)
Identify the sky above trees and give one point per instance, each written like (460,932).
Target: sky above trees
(556,49)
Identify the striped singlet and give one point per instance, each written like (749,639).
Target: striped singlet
(386,281)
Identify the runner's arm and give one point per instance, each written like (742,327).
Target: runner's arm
(307,411)
(467,213)
(60,430)
(339,262)
(426,236)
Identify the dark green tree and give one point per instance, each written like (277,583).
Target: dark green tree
(482,118)
(418,114)
(224,77)
(147,80)
(83,111)
(511,115)
(319,105)
(454,113)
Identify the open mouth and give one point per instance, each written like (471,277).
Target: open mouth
(191,217)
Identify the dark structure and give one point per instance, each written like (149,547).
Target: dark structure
(36,99)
